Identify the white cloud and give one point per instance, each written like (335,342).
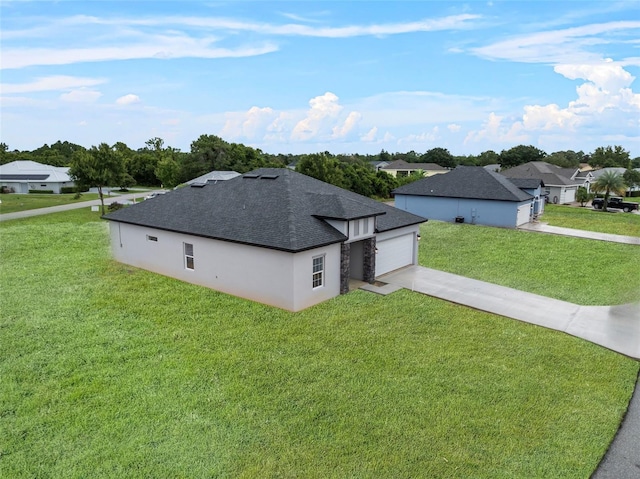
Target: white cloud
(82,95)
(250,125)
(158,47)
(50,83)
(129,99)
(424,137)
(320,117)
(608,75)
(453,128)
(370,135)
(568,45)
(348,126)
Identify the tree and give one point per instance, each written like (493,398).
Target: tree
(605,157)
(632,178)
(520,154)
(168,172)
(439,156)
(582,195)
(322,167)
(609,182)
(488,157)
(97,167)
(565,159)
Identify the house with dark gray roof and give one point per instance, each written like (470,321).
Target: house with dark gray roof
(559,188)
(24,176)
(469,194)
(271,235)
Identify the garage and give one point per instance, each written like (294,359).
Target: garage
(524,214)
(394,253)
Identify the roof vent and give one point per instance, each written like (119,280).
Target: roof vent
(251,176)
(197,185)
(269,177)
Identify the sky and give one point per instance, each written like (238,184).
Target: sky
(303,76)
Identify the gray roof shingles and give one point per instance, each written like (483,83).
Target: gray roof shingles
(283,213)
(473,182)
(552,175)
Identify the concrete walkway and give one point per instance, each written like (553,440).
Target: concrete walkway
(73,206)
(557,230)
(614,327)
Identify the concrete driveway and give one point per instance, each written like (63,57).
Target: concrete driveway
(614,327)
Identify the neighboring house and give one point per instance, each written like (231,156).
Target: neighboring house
(272,235)
(25,176)
(469,194)
(400,168)
(214,176)
(621,171)
(559,188)
(535,188)
(378,165)
(495,167)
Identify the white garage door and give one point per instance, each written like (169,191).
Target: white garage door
(523,214)
(394,253)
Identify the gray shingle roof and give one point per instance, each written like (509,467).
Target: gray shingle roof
(466,182)
(551,175)
(270,207)
(529,183)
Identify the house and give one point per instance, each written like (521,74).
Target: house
(535,188)
(400,168)
(25,176)
(621,171)
(558,187)
(271,235)
(214,176)
(378,165)
(470,194)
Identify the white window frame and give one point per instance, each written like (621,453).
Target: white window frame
(317,276)
(189,262)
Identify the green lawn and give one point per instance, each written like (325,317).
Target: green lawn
(591,220)
(110,371)
(577,270)
(12,203)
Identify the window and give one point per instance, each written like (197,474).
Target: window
(356,228)
(365,226)
(188,256)
(318,271)
(152,238)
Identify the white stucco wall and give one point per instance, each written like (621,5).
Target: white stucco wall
(268,276)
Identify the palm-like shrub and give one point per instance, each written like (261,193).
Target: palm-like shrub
(609,182)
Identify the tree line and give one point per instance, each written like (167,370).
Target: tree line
(157,164)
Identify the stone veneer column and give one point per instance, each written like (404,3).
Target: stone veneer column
(369,260)
(345,250)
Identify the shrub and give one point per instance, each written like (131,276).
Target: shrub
(7,189)
(115,206)
(42,192)
(73,189)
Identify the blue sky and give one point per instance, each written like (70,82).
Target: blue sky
(347,77)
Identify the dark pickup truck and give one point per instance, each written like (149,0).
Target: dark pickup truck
(614,202)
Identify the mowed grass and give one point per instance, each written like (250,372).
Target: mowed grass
(12,202)
(111,371)
(577,270)
(587,218)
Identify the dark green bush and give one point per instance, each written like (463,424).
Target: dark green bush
(42,192)
(73,189)
(115,206)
